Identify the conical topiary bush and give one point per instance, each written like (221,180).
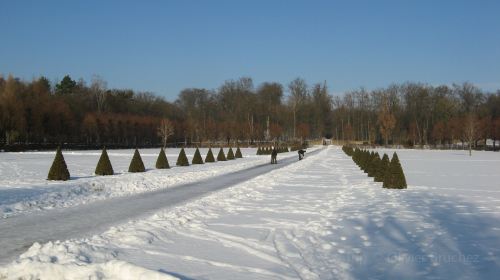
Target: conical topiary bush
(197,157)
(182,160)
(210,156)
(381,168)
(238,153)
(59,170)
(401,183)
(372,165)
(162,161)
(104,166)
(394,177)
(259,151)
(221,156)
(230,154)
(136,165)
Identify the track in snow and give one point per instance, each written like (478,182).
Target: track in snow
(18,233)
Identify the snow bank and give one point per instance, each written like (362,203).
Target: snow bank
(23,187)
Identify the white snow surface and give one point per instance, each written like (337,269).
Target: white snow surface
(24,188)
(319,218)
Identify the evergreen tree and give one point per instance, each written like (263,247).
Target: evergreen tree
(59,170)
(374,165)
(364,160)
(238,153)
(182,160)
(401,183)
(230,154)
(104,166)
(382,168)
(210,156)
(394,176)
(136,165)
(221,156)
(197,157)
(162,162)
(259,151)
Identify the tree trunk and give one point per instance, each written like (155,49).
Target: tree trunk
(294,122)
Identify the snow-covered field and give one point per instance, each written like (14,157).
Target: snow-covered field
(23,184)
(320,218)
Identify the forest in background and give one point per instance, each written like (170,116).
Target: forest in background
(89,114)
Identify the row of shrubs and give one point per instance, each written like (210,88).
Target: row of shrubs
(269,150)
(390,173)
(59,170)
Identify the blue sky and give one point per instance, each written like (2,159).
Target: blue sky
(165,46)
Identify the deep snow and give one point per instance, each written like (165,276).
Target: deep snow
(320,218)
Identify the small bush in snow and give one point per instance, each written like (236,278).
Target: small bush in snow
(210,156)
(238,153)
(104,166)
(394,177)
(59,170)
(197,157)
(230,154)
(182,160)
(381,169)
(136,165)
(221,156)
(162,161)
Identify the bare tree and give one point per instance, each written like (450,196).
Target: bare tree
(386,121)
(298,93)
(98,87)
(470,130)
(165,130)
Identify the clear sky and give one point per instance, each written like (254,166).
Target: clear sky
(165,46)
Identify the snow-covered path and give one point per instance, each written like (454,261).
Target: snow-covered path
(19,232)
(320,218)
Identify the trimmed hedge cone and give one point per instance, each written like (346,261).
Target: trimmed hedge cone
(390,173)
(182,160)
(104,166)
(238,153)
(230,154)
(394,177)
(197,157)
(136,165)
(221,156)
(380,172)
(210,156)
(59,170)
(162,161)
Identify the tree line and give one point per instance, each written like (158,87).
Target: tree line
(78,112)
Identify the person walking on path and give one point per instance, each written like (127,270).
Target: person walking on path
(274,156)
(301,154)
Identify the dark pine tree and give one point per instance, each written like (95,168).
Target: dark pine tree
(104,166)
(230,154)
(394,177)
(58,171)
(382,168)
(197,157)
(238,153)
(136,165)
(401,183)
(182,160)
(162,161)
(374,165)
(210,156)
(221,156)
